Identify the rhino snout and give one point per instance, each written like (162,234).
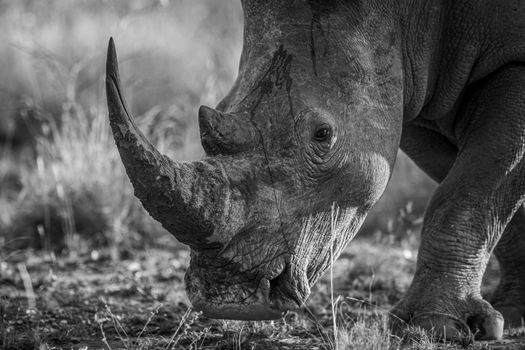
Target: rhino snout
(218,295)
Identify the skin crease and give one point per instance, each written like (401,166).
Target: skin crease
(443,80)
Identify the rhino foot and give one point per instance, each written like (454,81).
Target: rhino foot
(461,321)
(514,315)
(509,296)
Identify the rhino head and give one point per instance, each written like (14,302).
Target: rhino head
(296,155)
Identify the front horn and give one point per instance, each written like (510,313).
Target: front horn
(187,198)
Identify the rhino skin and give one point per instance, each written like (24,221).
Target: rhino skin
(327,92)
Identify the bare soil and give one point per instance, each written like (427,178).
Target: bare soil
(91,301)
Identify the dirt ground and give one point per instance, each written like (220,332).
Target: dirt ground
(90,301)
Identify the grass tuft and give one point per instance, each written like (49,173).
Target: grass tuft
(77,190)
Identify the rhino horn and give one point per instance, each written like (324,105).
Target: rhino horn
(185,197)
(225,133)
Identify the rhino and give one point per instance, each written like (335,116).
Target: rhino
(303,146)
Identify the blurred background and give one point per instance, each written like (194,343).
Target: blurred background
(62,186)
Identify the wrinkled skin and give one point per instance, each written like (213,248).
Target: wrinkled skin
(283,98)
(304,144)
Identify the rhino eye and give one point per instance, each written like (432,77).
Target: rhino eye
(323,133)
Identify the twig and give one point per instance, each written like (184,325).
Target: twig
(104,339)
(117,325)
(334,215)
(28,285)
(318,325)
(152,314)
(182,321)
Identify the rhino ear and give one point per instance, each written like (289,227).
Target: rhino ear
(223,133)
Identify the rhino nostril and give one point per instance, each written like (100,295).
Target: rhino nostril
(276,295)
(274,284)
(282,294)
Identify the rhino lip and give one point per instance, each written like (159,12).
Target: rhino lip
(272,303)
(271,298)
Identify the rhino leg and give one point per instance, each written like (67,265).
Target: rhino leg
(509,297)
(468,213)
(436,160)
(431,151)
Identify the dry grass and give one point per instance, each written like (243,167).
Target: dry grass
(77,188)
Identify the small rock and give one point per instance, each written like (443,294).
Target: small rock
(134,267)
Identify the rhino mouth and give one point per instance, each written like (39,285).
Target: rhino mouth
(227,297)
